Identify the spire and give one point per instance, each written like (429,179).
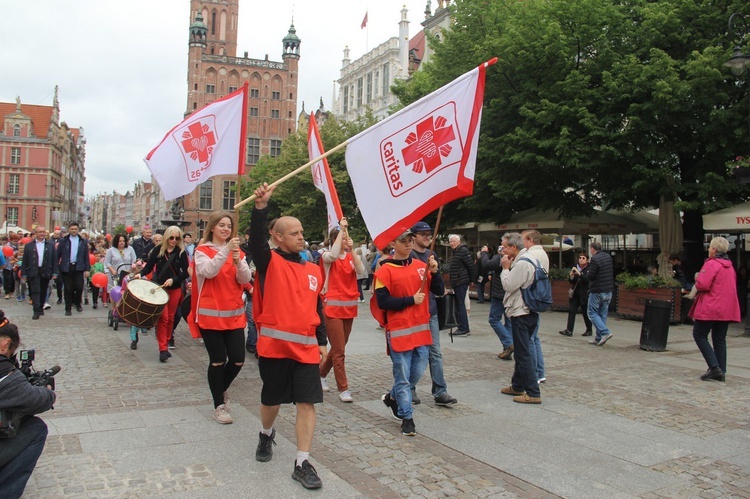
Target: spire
(198,32)
(291,43)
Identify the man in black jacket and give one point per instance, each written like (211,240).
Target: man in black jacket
(462,270)
(38,268)
(74,265)
(143,245)
(601,280)
(19,452)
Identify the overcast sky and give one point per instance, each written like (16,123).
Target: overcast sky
(121,66)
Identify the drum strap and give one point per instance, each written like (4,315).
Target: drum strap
(167,265)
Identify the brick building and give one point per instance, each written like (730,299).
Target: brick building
(214,70)
(41,166)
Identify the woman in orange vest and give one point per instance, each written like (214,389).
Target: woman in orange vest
(340,297)
(218,311)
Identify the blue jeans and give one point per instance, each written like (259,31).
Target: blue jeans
(497,315)
(461,315)
(18,456)
(716,356)
(598,309)
(524,373)
(408,368)
(535,347)
(439,386)
(252,331)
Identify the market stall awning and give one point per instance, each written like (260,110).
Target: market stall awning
(732,220)
(599,222)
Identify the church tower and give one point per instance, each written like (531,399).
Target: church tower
(220,18)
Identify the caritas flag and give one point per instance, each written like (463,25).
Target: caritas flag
(209,142)
(418,159)
(321,174)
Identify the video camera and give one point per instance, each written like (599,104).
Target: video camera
(10,421)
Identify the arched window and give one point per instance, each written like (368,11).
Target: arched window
(16,130)
(213,22)
(223,25)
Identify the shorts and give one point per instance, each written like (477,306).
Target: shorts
(287,381)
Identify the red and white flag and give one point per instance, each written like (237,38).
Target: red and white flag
(364,22)
(209,142)
(418,159)
(321,174)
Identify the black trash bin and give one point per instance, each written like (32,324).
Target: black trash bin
(655,328)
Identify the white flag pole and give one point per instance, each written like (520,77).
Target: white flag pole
(295,172)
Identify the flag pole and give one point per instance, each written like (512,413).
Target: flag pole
(432,246)
(243,145)
(295,172)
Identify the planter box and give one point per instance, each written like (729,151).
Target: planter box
(631,302)
(560,298)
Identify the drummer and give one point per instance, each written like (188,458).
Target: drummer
(169,261)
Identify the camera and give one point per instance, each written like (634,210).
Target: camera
(10,421)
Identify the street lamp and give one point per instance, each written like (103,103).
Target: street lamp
(738,30)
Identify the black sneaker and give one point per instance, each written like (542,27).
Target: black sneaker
(264,451)
(171,344)
(68,313)
(134,345)
(163,356)
(565,332)
(307,476)
(408,428)
(461,333)
(391,404)
(445,399)
(714,373)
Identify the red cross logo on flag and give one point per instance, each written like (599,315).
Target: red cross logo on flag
(197,140)
(428,144)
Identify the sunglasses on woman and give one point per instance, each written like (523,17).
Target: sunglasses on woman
(174,238)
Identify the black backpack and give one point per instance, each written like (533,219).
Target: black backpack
(538,295)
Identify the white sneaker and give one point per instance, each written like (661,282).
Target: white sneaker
(47,306)
(324,385)
(221,415)
(346,396)
(541,380)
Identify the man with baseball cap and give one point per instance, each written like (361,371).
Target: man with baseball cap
(421,251)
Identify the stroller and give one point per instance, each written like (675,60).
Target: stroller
(113,318)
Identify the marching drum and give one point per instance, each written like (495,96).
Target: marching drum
(141,304)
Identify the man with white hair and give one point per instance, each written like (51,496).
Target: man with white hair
(462,273)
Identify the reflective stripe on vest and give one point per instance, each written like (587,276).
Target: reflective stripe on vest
(341,303)
(409,330)
(286,336)
(209,312)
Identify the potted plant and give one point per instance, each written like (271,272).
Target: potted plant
(634,289)
(560,286)
(740,168)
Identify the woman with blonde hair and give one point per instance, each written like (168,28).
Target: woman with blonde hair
(217,310)
(714,308)
(169,262)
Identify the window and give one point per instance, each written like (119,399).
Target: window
(210,89)
(274,113)
(386,77)
(12,215)
(369,87)
(346,99)
(14,183)
(377,84)
(232,89)
(255,93)
(228,199)
(195,86)
(253,111)
(359,92)
(206,195)
(16,130)
(15,155)
(290,114)
(275,95)
(291,96)
(275,147)
(253,151)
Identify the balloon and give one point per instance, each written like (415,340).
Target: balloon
(129,229)
(116,293)
(92,259)
(25,240)
(109,237)
(99,280)
(8,251)
(57,228)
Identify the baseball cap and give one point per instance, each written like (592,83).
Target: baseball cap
(421,227)
(403,237)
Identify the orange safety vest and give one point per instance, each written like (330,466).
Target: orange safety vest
(286,310)
(220,305)
(343,294)
(408,328)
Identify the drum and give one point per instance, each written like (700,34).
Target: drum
(140,306)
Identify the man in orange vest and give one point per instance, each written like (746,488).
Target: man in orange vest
(292,337)
(401,287)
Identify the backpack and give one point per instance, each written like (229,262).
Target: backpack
(538,295)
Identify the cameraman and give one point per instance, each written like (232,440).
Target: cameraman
(19,453)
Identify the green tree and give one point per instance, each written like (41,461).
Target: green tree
(610,103)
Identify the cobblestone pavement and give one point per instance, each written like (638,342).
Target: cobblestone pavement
(615,420)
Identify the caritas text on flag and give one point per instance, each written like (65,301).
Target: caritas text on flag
(208,142)
(418,159)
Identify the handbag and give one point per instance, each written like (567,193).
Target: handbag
(572,291)
(447,306)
